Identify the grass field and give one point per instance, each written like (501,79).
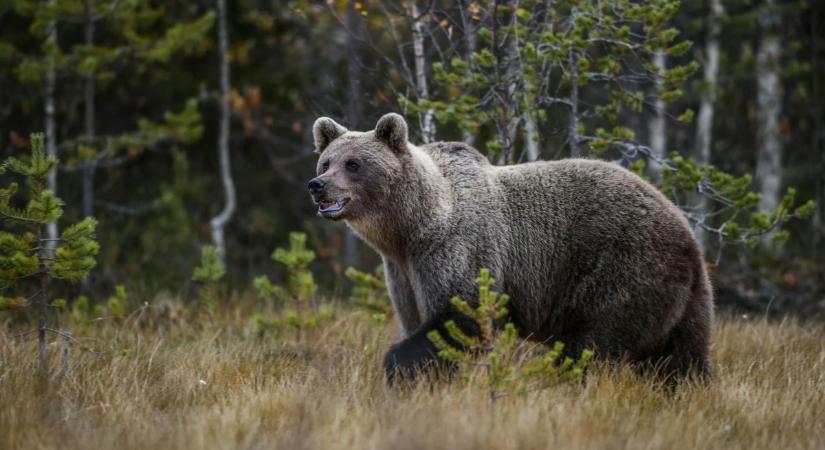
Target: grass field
(165,378)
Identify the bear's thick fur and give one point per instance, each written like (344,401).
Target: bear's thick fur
(591,254)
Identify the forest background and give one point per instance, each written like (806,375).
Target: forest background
(184,124)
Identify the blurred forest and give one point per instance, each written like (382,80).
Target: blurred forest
(180,124)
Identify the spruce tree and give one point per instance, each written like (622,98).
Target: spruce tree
(209,274)
(297,309)
(26,253)
(495,350)
(369,291)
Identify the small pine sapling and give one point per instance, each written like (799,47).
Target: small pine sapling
(496,350)
(115,304)
(209,274)
(80,313)
(298,310)
(27,254)
(369,292)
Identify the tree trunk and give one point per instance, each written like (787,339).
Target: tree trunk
(704,122)
(90,165)
(504,88)
(769,102)
(355,115)
(218,223)
(42,306)
(573,128)
(818,136)
(658,125)
(427,121)
(532,137)
(355,67)
(51,127)
(470,40)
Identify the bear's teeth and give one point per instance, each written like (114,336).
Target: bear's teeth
(328,204)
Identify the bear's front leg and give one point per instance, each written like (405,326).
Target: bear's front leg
(416,353)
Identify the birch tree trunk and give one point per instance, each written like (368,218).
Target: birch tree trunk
(218,223)
(50,125)
(769,102)
(573,128)
(471,42)
(704,122)
(658,125)
(531,129)
(531,137)
(427,120)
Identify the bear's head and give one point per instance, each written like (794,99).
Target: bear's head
(357,172)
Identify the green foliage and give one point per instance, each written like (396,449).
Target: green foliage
(12,303)
(297,310)
(496,350)
(166,240)
(28,252)
(209,273)
(369,291)
(17,261)
(135,45)
(80,310)
(544,56)
(184,127)
(116,304)
(211,269)
(736,219)
(85,312)
(75,254)
(153,69)
(181,38)
(300,283)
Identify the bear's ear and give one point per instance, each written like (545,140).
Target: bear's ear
(325,131)
(391,129)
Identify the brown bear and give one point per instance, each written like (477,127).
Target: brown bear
(590,254)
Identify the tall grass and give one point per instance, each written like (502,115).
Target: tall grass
(168,379)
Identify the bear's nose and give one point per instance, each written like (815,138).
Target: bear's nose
(316,185)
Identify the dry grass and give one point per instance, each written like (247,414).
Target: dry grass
(144,392)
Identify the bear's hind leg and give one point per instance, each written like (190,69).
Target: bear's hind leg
(686,351)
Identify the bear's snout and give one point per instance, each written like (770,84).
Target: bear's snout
(316,186)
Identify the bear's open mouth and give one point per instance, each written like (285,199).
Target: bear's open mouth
(331,206)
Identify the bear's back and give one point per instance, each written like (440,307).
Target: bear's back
(586,192)
(456,158)
(567,219)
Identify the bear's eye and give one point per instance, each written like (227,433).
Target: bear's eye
(352,166)
(324,166)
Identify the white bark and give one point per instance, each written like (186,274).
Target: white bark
(658,124)
(50,125)
(218,223)
(470,38)
(573,127)
(427,121)
(575,151)
(704,122)
(769,102)
(532,137)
